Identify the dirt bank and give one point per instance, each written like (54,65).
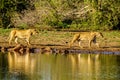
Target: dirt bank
(58,49)
(55,42)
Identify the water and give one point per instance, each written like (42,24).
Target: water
(36,66)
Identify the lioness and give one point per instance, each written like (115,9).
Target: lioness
(26,34)
(90,36)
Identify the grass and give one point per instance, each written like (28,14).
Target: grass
(4,32)
(112,35)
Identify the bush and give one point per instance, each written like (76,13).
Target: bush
(74,14)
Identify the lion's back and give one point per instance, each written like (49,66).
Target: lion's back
(85,35)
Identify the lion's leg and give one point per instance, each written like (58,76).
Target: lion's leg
(72,42)
(11,37)
(16,40)
(80,44)
(74,39)
(90,42)
(97,44)
(10,40)
(28,41)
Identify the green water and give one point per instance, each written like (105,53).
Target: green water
(36,66)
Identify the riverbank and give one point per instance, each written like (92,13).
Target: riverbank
(59,49)
(55,42)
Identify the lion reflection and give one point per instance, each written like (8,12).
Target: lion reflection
(84,63)
(22,63)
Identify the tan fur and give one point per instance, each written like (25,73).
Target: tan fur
(90,36)
(26,34)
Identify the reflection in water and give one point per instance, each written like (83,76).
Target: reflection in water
(19,62)
(84,66)
(59,67)
(24,64)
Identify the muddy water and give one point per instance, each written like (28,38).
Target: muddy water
(14,66)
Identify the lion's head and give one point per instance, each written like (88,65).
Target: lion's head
(99,34)
(33,31)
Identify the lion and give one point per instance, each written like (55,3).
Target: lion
(90,36)
(25,34)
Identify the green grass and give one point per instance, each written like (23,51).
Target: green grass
(112,35)
(4,32)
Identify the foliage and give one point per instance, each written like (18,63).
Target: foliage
(107,14)
(73,14)
(8,7)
